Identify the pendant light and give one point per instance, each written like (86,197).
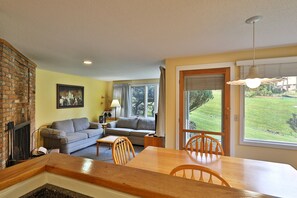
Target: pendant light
(253,80)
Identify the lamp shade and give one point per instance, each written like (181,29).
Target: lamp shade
(115,103)
(253,80)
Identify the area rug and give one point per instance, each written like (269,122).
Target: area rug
(104,152)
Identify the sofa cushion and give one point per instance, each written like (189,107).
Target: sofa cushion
(92,132)
(130,123)
(73,137)
(52,133)
(111,124)
(64,125)
(80,124)
(146,124)
(140,133)
(95,125)
(117,131)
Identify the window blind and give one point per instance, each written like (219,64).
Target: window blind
(272,70)
(204,82)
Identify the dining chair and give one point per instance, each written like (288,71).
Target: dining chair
(199,173)
(204,144)
(122,151)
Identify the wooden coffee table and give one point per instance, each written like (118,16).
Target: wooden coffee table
(108,139)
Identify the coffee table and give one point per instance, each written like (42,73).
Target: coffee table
(108,139)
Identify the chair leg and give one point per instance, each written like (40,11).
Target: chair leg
(97,145)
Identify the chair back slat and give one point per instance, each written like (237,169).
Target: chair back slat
(201,177)
(210,179)
(217,149)
(122,151)
(125,154)
(206,150)
(184,174)
(201,146)
(203,174)
(196,146)
(210,146)
(193,175)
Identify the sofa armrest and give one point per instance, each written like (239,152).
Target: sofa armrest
(95,125)
(52,133)
(112,124)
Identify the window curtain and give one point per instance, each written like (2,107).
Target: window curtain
(122,93)
(125,102)
(160,128)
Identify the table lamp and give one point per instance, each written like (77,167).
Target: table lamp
(114,104)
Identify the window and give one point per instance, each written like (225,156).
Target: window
(144,100)
(270,111)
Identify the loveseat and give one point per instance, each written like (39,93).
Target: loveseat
(71,135)
(135,128)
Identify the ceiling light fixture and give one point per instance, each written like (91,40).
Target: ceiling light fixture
(87,62)
(253,80)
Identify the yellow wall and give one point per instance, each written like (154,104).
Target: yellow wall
(46,111)
(108,95)
(277,155)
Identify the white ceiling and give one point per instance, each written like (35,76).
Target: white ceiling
(130,39)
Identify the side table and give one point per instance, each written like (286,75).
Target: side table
(151,140)
(104,126)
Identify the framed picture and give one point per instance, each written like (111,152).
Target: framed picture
(69,96)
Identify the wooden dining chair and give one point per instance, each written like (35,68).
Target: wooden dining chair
(204,144)
(122,151)
(199,173)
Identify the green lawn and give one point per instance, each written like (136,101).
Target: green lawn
(208,116)
(266,117)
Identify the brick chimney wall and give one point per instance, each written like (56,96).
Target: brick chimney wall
(17,93)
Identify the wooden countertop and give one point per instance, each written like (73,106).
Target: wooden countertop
(125,179)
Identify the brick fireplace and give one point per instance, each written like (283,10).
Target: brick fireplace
(17,94)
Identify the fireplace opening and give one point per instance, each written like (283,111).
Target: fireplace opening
(19,143)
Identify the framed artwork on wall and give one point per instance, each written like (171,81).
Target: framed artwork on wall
(69,96)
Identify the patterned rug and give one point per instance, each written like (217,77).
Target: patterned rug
(104,152)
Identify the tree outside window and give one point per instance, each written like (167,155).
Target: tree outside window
(143,100)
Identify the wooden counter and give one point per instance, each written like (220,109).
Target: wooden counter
(121,178)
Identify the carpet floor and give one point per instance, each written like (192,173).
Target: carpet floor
(104,152)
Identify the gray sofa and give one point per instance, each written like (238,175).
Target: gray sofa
(71,135)
(134,128)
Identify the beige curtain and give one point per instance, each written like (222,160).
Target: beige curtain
(122,93)
(160,128)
